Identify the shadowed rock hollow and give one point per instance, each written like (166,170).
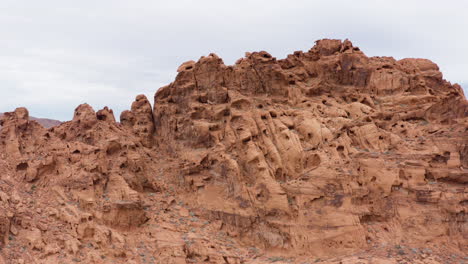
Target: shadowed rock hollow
(324,156)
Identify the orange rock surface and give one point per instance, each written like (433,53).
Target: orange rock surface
(326,156)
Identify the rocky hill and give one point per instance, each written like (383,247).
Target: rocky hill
(47,123)
(326,156)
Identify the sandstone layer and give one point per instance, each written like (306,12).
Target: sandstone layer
(326,156)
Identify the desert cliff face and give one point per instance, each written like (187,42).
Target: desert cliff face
(327,156)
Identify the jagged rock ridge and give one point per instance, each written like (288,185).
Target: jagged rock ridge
(327,155)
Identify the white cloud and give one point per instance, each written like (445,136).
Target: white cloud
(56,54)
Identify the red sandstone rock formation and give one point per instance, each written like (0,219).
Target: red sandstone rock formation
(47,123)
(140,120)
(327,156)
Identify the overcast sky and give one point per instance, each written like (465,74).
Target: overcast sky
(56,54)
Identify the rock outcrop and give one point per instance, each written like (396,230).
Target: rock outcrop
(326,156)
(140,120)
(47,123)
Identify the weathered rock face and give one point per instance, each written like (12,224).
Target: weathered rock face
(325,154)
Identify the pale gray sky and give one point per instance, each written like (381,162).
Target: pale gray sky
(56,54)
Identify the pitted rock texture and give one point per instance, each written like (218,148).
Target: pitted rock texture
(327,156)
